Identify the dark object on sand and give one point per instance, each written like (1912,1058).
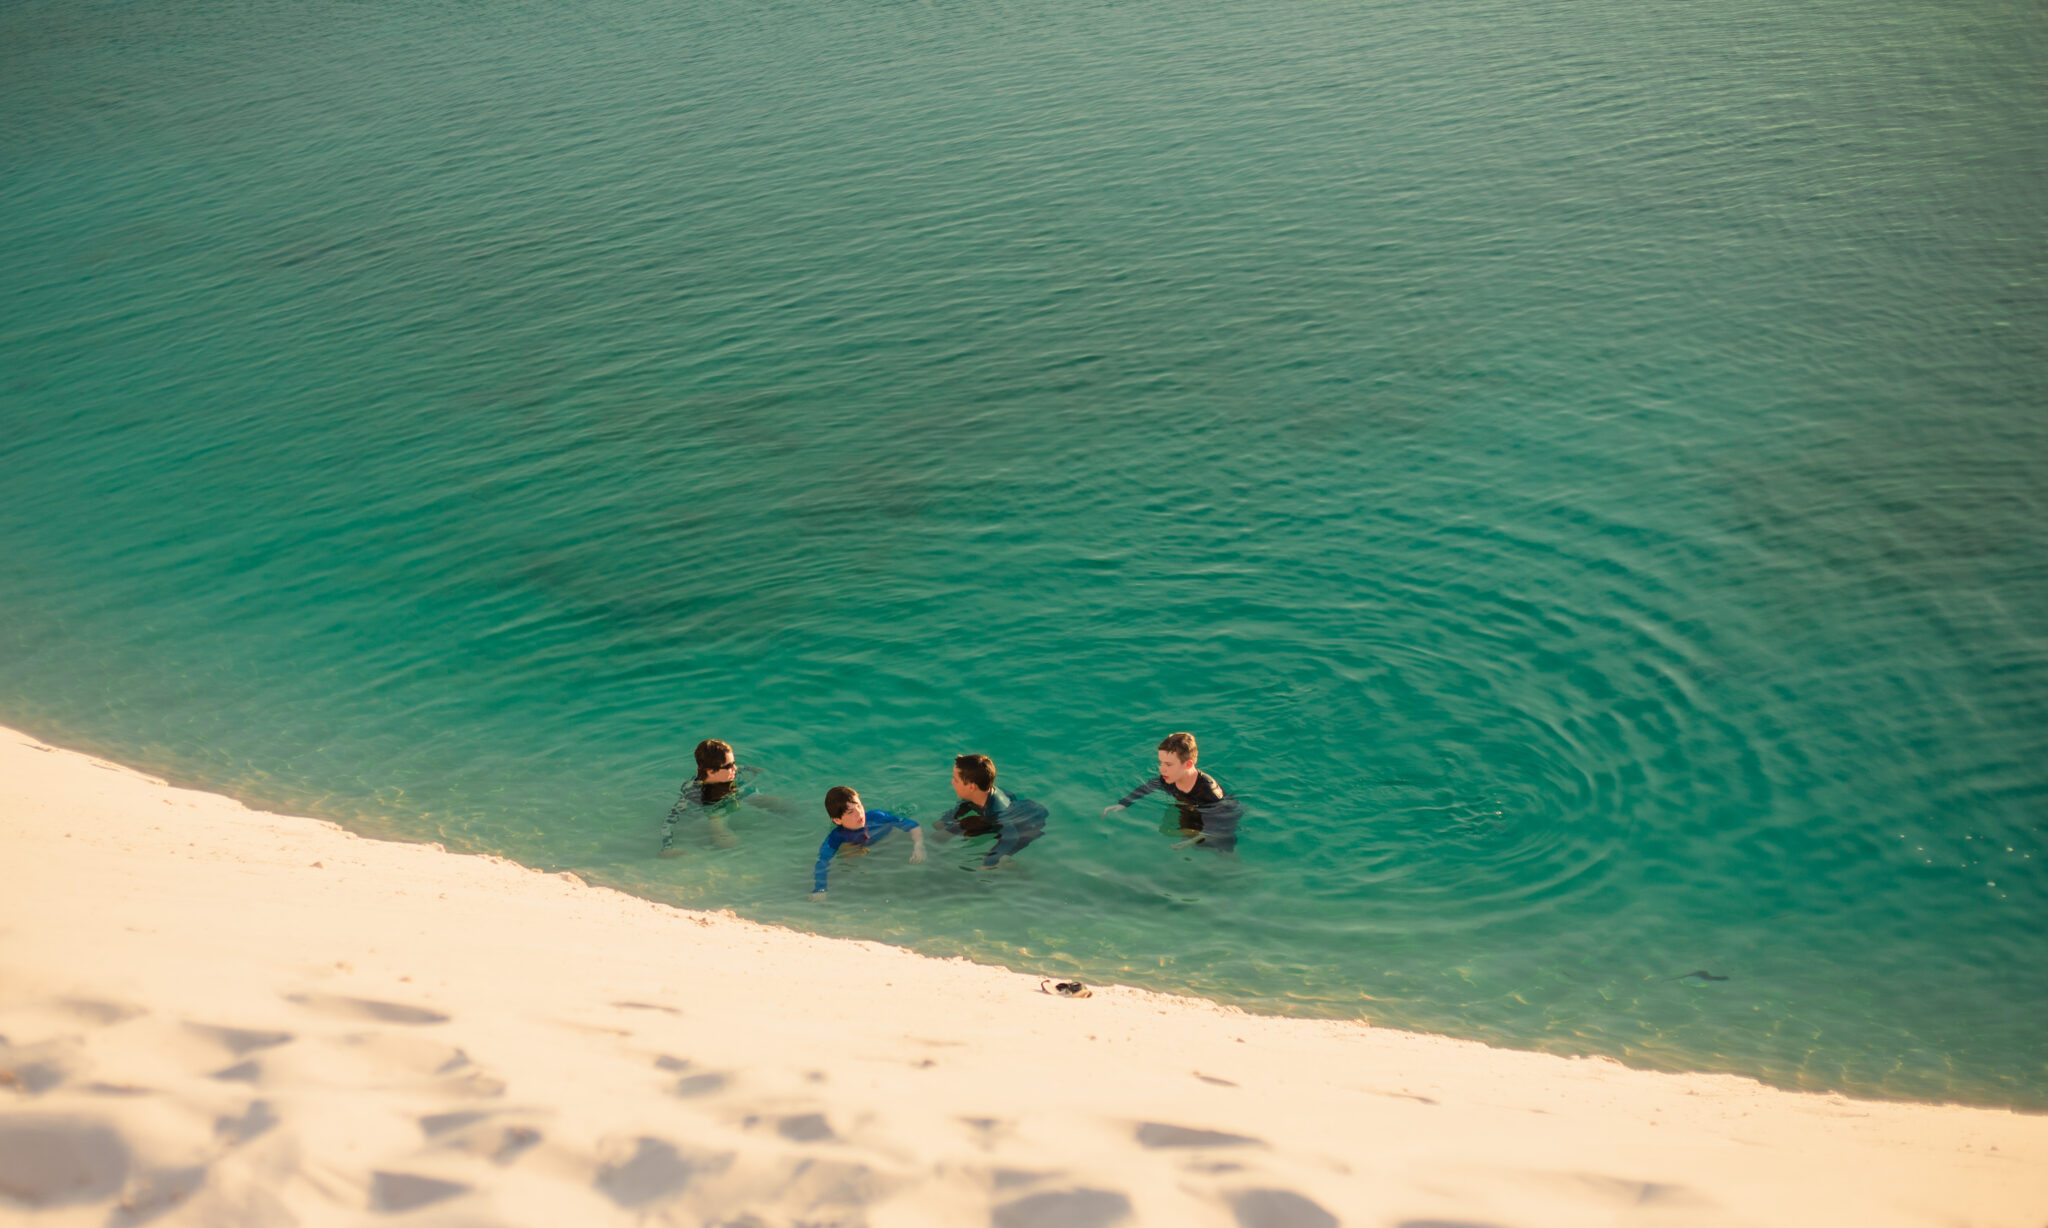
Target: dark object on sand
(1065,989)
(1699,977)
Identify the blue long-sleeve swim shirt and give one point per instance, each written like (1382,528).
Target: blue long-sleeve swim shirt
(880,823)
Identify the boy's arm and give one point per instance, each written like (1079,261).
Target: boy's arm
(1010,822)
(948,824)
(896,822)
(1124,803)
(825,852)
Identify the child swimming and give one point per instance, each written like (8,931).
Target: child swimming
(855,826)
(1208,814)
(983,808)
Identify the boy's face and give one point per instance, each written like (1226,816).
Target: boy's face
(960,787)
(1173,767)
(856,816)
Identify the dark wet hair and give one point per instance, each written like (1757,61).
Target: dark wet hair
(838,798)
(1181,744)
(712,755)
(976,770)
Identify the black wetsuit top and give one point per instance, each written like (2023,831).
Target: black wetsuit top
(708,798)
(1016,820)
(1204,807)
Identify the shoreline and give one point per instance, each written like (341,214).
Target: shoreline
(216,1013)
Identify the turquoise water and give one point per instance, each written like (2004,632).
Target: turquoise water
(1579,468)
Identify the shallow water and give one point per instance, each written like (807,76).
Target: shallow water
(1578,468)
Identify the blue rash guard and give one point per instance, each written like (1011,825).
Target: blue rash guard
(1017,820)
(880,823)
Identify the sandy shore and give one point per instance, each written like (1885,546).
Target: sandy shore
(213,1015)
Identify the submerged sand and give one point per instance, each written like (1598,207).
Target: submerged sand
(213,1015)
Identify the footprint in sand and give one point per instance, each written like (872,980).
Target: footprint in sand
(1278,1209)
(654,1172)
(31,1070)
(479,1133)
(988,1131)
(153,1193)
(806,1128)
(254,1120)
(809,1191)
(29,1076)
(241,1072)
(215,1040)
(100,1013)
(434,1125)
(394,1058)
(691,1086)
(239,1041)
(1154,1135)
(50,1161)
(1631,1193)
(365,1008)
(1064,1209)
(391,1193)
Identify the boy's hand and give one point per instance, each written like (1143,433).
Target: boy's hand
(1111,812)
(817,897)
(917,855)
(917,846)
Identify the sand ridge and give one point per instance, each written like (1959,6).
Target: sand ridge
(213,1015)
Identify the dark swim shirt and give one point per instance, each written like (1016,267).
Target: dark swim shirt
(1204,807)
(1016,820)
(710,799)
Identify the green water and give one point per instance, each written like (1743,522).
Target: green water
(1579,468)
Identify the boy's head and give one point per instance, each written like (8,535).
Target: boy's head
(975,772)
(843,806)
(714,760)
(1176,754)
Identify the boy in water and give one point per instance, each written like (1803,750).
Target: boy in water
(854,824)
(716,792)
(1208,815)
(983,808)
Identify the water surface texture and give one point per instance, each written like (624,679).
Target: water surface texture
(1578,467)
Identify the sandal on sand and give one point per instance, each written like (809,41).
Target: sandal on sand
(1065,989)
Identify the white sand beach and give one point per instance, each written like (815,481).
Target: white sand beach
(213,1015)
